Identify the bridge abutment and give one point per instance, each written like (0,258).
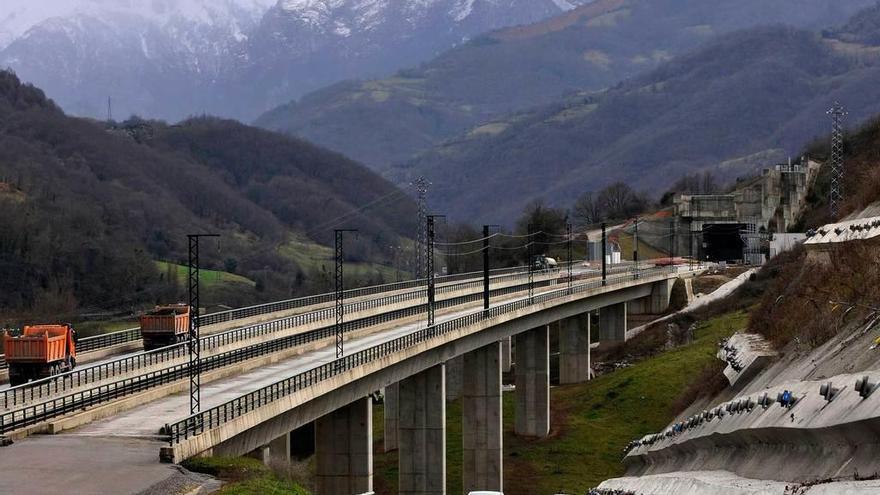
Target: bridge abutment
(482,437)
(422,433)
(574,349)
(344,450)
(656,303)
(533,382)
(612,323)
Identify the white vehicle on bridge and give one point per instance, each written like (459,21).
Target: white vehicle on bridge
(543,262)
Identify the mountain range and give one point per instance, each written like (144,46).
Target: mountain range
(740,103)
(387,121)
(172,59)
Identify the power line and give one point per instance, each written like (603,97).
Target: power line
(333,222)
(521,236)
(462,243)
(463,254)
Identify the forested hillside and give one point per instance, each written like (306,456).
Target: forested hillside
(595,46)
(740,103)
(88,209)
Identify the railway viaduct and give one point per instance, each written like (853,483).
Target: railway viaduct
(463,355)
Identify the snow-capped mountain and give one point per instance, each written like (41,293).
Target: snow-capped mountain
(173,58)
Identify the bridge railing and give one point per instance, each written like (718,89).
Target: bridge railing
(223,413)
(57,406)
(53,385)
(96,342)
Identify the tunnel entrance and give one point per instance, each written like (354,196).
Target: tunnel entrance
(722,242)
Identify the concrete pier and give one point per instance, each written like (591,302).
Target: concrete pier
(260,453)
(506,355)
(391,401)
(574,350)
(344,450)
(422,433)
(612,323)
(454,370)
(533,382)
(482,437)
(279,450)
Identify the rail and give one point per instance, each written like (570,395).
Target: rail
(47,387)
(216,416)
(89,344)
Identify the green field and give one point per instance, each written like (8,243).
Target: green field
(316,258)
(209,279)
(591,423)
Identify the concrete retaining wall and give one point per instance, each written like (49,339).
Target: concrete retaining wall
(812,440)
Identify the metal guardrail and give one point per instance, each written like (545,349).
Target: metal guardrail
(96,342)
(37,413)
(216,416)
(47,387)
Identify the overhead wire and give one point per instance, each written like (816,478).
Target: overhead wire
(463,254)
(462,243)
(521,236)
(336,221)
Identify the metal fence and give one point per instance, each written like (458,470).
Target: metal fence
(96,342)
(51,386)
(217,416)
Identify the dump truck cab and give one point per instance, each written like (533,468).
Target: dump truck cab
(165,325)
(40,351)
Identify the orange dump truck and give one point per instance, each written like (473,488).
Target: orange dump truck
(41,351)
(165,325)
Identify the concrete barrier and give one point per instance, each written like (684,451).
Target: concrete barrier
(813,439)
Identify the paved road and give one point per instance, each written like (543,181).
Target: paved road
(42,465)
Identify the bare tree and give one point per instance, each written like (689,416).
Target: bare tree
(620,201)
(587,209)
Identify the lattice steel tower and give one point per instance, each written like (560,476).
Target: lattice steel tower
(340,290)
(422,236)
(838,114)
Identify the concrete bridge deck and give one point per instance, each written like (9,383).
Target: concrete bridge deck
(257,314)
(25,394)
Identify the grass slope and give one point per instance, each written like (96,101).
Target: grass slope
(208,278)
(591,422)
(244,476)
